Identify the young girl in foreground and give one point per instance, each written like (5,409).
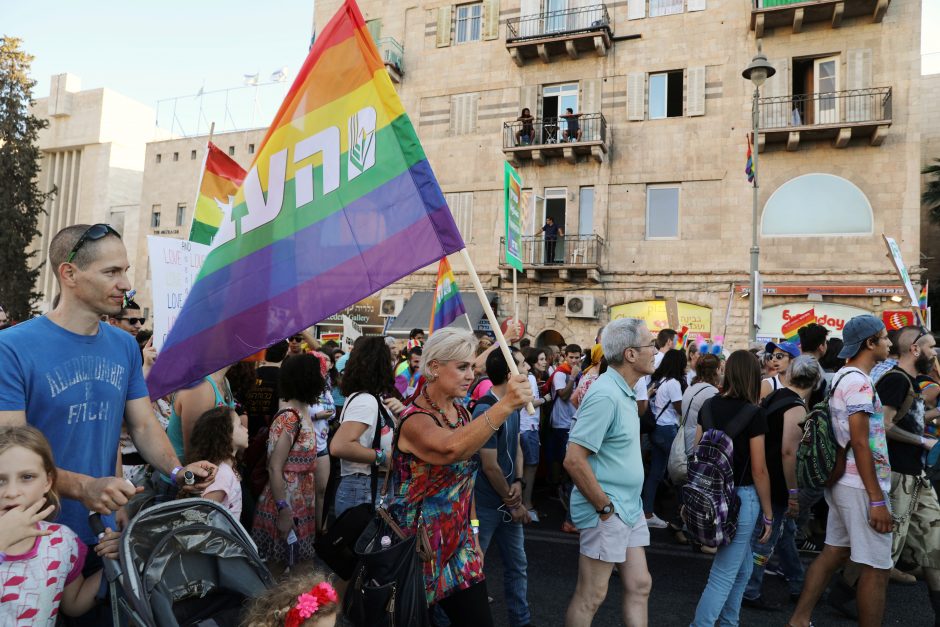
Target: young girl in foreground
(40,562)
(303,600)
(218,436)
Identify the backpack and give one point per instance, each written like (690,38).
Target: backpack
(256,455)
(473,402)
(820,461)
(678,462)
(710,503)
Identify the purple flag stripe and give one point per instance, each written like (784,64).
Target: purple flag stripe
(224,342)
(393,208)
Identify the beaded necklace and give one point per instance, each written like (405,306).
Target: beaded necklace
(436,407)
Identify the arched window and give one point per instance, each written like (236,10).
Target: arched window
(817,205)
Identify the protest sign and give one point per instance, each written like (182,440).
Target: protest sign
(174,266)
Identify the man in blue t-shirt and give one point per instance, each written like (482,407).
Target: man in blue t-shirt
(606,465)
(499,489)
(76,379)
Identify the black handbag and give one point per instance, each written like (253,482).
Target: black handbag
(388,583)
(336,546)
(387,587)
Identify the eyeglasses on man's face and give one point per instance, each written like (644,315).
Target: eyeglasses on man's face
(780,356)
(134,320)
(642,346)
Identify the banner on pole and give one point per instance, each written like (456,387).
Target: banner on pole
(174,265)
(513,200)
(899,265)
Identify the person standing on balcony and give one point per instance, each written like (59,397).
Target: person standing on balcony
(552,232)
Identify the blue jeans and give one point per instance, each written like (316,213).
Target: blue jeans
(509,540)
(783,540)
(353,490)
(721,599)
(660,443)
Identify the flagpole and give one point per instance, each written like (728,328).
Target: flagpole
(515,300)
(724,330)
(500,338)
(202,173)
(466,317)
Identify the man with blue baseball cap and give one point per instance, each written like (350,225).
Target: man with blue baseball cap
(859,523)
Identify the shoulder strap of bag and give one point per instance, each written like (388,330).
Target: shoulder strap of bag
(688,409)
(908,401)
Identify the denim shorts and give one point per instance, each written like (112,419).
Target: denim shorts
(353,490)
(530,447)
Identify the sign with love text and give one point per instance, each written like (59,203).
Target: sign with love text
(174,266)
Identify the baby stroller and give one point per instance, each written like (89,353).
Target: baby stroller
(184,563)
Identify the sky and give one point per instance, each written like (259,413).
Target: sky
(162,54)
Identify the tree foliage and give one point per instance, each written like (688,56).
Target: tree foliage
(21,201)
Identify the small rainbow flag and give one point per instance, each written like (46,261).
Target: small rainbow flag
(749,166)
(339,202)
(220,180)
(791,328)
(447,305)
(680,338)
(922,299)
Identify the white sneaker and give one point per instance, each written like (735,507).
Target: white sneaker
(655,522)
(533,515)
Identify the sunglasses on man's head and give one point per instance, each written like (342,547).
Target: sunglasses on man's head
(91,234)
(134,320)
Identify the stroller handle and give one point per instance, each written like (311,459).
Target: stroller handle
(112,568)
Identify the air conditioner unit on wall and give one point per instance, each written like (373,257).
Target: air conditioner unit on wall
(580,306)
(391,307)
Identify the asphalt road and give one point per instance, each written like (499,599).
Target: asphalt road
(679,576)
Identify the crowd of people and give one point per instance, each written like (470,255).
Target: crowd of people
(439,432)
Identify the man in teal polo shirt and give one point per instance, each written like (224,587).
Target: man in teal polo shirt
(605,463)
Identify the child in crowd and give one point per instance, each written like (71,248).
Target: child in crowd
(301,601)
(219,436)
(39,570)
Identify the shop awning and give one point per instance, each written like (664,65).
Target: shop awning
(416,314)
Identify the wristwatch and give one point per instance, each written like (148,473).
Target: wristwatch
(521,481)
(607,509)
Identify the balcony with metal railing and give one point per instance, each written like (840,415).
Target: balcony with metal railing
(393,54)
(771,14)
(570,254)
(555,33)
(583,134)
(838,115)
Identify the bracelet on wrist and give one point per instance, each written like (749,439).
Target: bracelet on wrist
(486,416)
(3,557)
(174,473)
(767,521)
(281,505)
(793,492)
(876,504)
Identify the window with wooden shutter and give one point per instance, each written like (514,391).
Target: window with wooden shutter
(443,26)
(858,103)
(490,19)
(636,96)
(636,9)
(591,95)
(695,91)
(461,208)
(463,113)
(776,113)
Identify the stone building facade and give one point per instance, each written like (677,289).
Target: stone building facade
(652,193)
(93,156)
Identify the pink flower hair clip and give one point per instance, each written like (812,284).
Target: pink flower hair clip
(308,603)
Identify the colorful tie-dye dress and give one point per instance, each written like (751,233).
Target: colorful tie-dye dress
(442,496)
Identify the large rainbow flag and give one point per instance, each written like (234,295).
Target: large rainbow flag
(447,305)
(218,185)
(339,202)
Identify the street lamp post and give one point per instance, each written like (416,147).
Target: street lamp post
(757,72)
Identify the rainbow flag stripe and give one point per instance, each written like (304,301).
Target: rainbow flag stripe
(339,203)
(922,297)
(221,178)
(448,305)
